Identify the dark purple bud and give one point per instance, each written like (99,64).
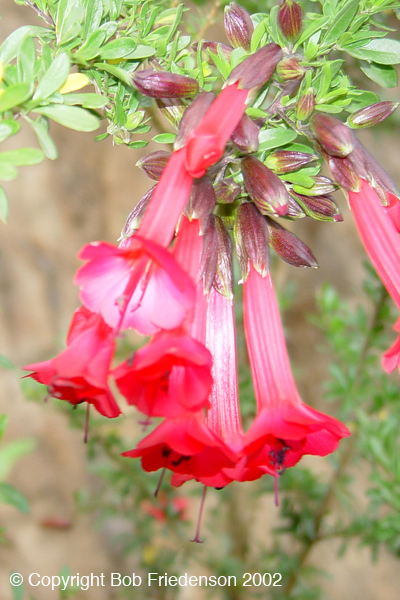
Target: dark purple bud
(305,105)
(367,168)
(136,215)
(290,68)
(372,115)
(216,260)
(264,187)
(251,238)
(161,84)
(192,117)
(245,136)
(255,70)
(153,164)
(295,211)
(201,201)
(172,109)
(289,248)
(290,19)
(334,136)
(286,161)
(343,172)
(238,26)
(320,208)
(214,47)
(226,191)
(322,185)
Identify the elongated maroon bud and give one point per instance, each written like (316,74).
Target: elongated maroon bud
(305,105)
(257,69)
(343,172)
(286,161)
(172,109)
(201,201)
(289,248)
(238,26)
(216,259)
(214,47)
(245,136)
(264,187)
(161,84)
(334,136)
(154,163)
(290,68)
(192,117)
(290,19)
(136,215)
(251,238)
(295,211)
(322,185)
(226,191)
(367,168)
(372,115)
(320,208)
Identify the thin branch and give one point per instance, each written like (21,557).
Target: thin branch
(210,20)
(41,14)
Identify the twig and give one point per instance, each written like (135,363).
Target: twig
(210,19)
(41,14)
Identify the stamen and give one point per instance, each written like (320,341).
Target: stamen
(160,481)
(85,438)
(197,536)
(276,488)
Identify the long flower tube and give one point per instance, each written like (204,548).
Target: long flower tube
(284,428)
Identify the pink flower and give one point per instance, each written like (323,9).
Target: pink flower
(139,286)
(206,143)
(379,236)
(168,376)
(284,428)
(80,372)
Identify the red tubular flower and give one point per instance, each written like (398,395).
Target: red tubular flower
(139,285)
(206,143)
(285,428)
(379,236)
(80,372)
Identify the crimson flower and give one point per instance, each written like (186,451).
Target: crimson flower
(284,428)
(80,372)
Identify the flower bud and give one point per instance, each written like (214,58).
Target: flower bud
(290,68)
(334,136)
(245,136)
(322,185)
(238,26)
(226,191)
(305,105)
(320,208)
(264,187)
(343,173)
(372,115)
(289,248)
(214,47)
(201,201)
(295,211)
(251,237)
(135,216)
(286,161)
(172,109)
(367,168)
(290,19)
(216,259)
(255,70)
(153,164)
(161,84)
(192,117)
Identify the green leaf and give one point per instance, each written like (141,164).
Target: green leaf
(100,137)
(341,22)
(5,363)
(138,144)
(118,48)
(361,100)
(8,173)
(141,51)
(92,47)
(17,591)
(14,95)
(384,51)
(8,127)
(53,78)
(41,128)
(3,217)
(70,14)
(9,495)
(21,157)
(11,45)
(164,138)
(329,108)
(26,61)
(299,179)
(383,75)
(85,100)
(314,26)
(116,72)
(12,453)
(273,138)
(3,420)
(73,117)
(93,16)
